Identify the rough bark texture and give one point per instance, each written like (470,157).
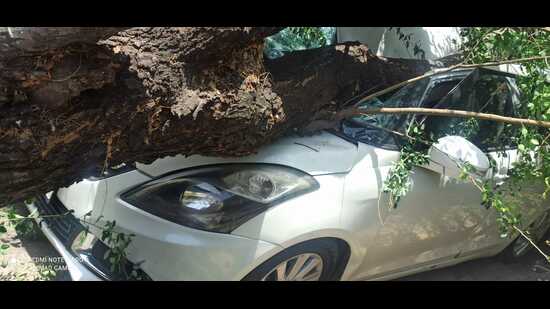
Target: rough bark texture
(75,108)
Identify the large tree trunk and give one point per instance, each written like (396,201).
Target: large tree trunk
(71,107)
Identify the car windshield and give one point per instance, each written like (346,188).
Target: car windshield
(366,128)
(375,129)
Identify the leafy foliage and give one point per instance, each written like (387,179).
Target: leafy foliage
(116,240)
(118,243)
(483,45)
(413,153)
(408,41)
(298,38)
(490,44)
(24,228)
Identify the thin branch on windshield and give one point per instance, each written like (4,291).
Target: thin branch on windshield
(442,112)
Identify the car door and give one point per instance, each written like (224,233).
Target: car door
(490,92)
(502,98)
(433,222)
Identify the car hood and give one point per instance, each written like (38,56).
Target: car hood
(324,153)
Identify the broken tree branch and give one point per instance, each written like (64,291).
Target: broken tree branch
(353,110)
(454,67)
(445,113)
(146,93)
(38,39)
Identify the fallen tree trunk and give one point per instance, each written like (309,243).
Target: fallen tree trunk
(74,108)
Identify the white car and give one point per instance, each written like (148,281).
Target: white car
(308,208)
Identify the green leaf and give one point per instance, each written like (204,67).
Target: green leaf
(3,229)
(524,131)
(534,142)
(4,246)
(521,147)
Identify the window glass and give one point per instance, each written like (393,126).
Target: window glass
(366,128)
(439,90)
(481,92)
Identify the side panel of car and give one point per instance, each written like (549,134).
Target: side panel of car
(430,225)
(310,216)
(528,199)
(487,236)
(496,93)
(284,224)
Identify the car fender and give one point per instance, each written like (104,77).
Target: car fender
(310,216)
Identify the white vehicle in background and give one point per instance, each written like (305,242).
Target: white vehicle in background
(309,208)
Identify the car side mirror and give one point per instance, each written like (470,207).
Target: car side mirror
(450,152)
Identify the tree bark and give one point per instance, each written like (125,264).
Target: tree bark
(71,108)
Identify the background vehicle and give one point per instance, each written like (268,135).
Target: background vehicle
(308,208)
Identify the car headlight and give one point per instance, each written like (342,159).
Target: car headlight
(219,198)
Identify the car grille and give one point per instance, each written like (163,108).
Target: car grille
(59,219)
(66,228)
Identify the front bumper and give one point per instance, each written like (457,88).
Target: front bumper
(62,228)
(168,251)
(171,252)
(77,271)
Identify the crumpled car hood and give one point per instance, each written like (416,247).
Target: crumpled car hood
(324,153)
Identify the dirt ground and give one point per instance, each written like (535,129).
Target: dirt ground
(33,258)
(30,257)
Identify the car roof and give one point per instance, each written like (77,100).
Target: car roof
(463,72)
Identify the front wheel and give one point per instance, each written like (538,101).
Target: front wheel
(315,260)
(521,246)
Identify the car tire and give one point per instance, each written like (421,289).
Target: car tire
(514,252)
(333,253)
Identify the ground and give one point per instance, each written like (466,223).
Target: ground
(32,258)
(531,267)
(29,257)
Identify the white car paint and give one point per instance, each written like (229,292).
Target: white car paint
(449,151)
(439,222)
(77,271)
(299,152)
(83,197)
(432,226)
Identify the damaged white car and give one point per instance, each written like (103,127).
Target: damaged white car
(307,208)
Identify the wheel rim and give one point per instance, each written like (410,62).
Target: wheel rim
(303,267)
(536,230)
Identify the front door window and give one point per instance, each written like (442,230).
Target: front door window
(485,92)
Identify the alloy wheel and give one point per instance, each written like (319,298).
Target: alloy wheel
(302,267)
(536,232)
